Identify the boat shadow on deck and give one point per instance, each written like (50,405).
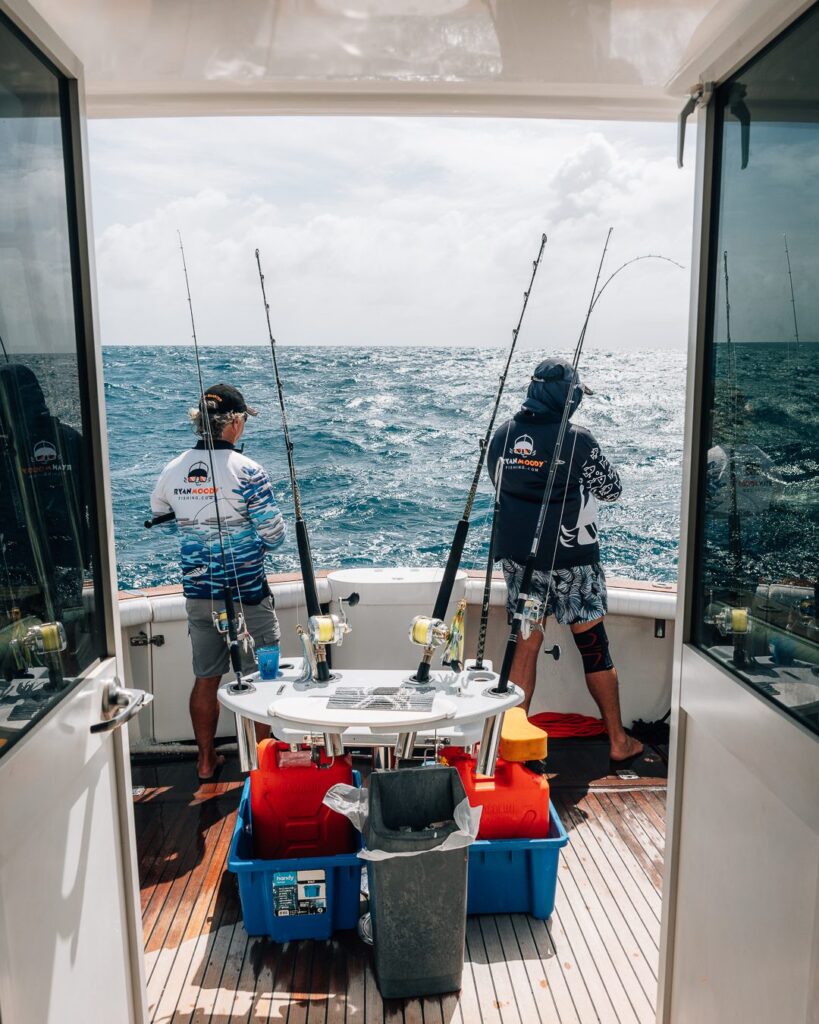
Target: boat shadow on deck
(596,959)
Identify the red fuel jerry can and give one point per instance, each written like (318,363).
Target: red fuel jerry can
(289,818)
(516,800)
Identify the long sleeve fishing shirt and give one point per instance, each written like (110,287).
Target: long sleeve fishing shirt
(522,449)
(251,521)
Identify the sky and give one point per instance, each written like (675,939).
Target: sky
(389,231)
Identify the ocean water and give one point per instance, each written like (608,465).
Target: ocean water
(385,443)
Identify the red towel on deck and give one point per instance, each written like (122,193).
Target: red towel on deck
(560,726)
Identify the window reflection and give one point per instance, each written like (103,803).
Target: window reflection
(49,629)
(759,523)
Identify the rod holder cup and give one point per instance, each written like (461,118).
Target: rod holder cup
(333,744)
(490,743)
(246,742)
(405,745)
(383,759)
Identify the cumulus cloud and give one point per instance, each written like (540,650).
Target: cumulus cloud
(387,231)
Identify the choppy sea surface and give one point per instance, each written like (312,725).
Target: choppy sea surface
(385,443)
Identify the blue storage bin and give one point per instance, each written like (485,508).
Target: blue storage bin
(515,876)
(297,898)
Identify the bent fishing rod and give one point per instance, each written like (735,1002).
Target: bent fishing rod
(529,567)
(239,686)
(429,632)
(519,614)
(321,629)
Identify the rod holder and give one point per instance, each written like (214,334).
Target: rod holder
(404,746)
(246,742)
(490,743)
(383,759)
(333,744)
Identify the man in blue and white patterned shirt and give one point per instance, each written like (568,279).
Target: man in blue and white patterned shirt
(568,580)
(251,524)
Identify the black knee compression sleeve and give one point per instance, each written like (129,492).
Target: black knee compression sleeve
(593,645)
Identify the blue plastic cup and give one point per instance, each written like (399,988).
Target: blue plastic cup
(268,661)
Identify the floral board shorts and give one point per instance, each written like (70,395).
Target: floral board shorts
(576,594)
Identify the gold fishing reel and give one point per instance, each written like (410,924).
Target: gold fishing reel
(428,632)
(731,621)
(41,639)
(327,629)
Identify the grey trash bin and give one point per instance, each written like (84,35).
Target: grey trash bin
(418,904)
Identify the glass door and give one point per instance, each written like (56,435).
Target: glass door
(740,915)
(50,623)
(70,936)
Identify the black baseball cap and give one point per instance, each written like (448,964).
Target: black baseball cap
(223,399)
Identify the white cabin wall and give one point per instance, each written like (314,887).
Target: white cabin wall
(643,664)
(746,878)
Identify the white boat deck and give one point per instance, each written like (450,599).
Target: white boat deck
(595,960)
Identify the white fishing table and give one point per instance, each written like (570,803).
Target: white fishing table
(373,707)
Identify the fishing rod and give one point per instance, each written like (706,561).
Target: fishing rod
(529,567)
(229,623)
(321,629)
(490,566)
(3,346)
(429,632)
(487,590)
(522,613)
(793,298)
(734,532)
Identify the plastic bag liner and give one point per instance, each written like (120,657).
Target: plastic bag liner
(353,804)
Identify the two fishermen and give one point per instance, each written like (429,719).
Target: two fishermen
(569,580)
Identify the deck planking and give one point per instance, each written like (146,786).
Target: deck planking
(595,960)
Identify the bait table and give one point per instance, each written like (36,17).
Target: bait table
(378,708)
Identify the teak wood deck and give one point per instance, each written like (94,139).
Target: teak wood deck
(596,959)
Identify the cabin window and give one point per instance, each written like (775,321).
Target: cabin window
(757,577)
(50,623)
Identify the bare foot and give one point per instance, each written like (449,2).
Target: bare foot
(207,769)
(628,748)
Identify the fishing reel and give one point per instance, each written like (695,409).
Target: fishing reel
(327,629)
(43,640)
(428,632)
(331,629)
(221,622)
(323,631)
(731,621)
(530,618)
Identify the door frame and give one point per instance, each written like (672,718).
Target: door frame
(81,239)
(739,717)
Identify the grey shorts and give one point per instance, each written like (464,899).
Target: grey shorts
(210,650)
(576,594)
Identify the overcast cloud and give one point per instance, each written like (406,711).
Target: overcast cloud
(388,231)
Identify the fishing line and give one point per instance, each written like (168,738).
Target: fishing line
(734,529)
(490,555)
(322,629)
(529,568)
(432,630)
(793,302)
(230,611)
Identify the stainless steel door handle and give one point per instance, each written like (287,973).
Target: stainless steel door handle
(119,705)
